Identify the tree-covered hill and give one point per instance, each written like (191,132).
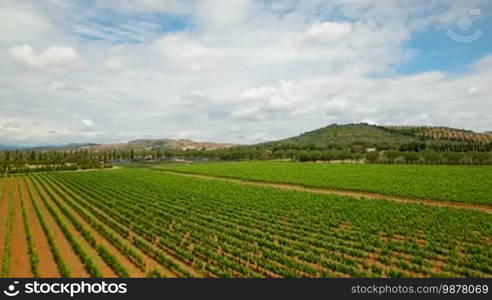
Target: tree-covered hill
(360,137)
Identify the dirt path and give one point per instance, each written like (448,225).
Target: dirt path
(69,256)
(20,264)
(47,264)
(3,216)
(354,194)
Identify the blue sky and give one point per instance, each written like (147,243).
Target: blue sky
(437,51)
(239,71)
(162,23)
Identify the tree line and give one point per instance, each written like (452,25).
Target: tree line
(55,160)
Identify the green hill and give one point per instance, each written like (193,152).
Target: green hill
(359,137)
(442,133)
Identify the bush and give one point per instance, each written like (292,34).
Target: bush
(372,157)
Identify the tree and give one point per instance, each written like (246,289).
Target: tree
(372,157)
(391,155)
(430,156)
(410,156)
(453,157)
(280,153)
(32,156)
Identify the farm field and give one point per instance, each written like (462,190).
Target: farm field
(137,223)
(469,184)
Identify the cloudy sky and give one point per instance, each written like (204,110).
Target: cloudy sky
(238,70)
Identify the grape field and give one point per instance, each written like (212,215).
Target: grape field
(145,223)
(470,184)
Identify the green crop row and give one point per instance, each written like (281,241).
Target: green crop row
(33,255)
(146,248)
(109,258)
(143,228)
(88,263)
(455,183)
(225,229)
(111,237)
(171,241)
(55,251)
(8,236)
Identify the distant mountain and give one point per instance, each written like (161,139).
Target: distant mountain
(147,144)
(9,147)
(355,137)
(72,146)
(383,137)
(163,144)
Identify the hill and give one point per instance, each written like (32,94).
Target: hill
(9,147)
(162,144)
(442,133)
(141,144)
(359,137)
(68,147)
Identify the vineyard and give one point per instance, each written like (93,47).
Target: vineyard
(443,133)
(138,223)
(469,184)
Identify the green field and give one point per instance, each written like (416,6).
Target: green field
(472,184)
(135,223)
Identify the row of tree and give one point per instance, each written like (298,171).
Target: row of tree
(24,161)
(361,147)
(430,157)
(22,168)
(396,157)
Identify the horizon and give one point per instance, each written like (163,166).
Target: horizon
(243,72)
(27,146)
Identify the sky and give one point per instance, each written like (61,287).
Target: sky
(241,71)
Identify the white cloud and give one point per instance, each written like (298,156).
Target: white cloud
(370,121)
(171,6)
(240,71)
(260,103)
(19,21)
(184,52)
(52,57)
(235,129)
(116,63)
(336,106)
(88,123)
(248,114)
(259,137)
(188,134)
(329,31)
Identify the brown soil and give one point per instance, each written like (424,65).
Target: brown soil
(354,194)
(69,257)
(437,264)
(373,260)
(172,255)
(20,265)
(133,270)
(399,237)
(105,270)
(3,216)
(47,264)
(150,263)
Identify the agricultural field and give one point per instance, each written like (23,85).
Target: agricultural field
(470,184)
(138,223)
